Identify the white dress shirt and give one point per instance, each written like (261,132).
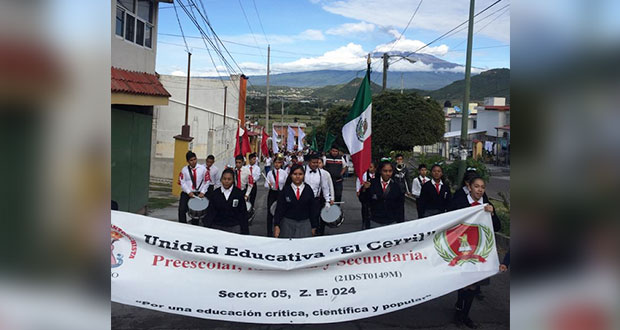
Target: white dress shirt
(255,171)
(417,185)
(358,185)
(318,182)
(271,180)
(227,192)
(215,176)
(185,179)
(471,200)
(268,161)
(245,180)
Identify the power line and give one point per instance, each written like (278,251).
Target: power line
(260,21)
(250,27)
(180,26)
(406,27)
(238,53)
(451,30)
(480,20)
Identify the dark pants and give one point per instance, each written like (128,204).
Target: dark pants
(271,198)
(418,208)
(318,204)
(183,208)
(231,229)
(464,300)
(267,169)
(253,194)
(365,216)
(338,191)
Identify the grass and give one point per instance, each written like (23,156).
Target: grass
(160,202)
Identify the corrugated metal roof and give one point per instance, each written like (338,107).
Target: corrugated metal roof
(142,83)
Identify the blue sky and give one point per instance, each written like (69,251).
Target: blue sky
(310,35)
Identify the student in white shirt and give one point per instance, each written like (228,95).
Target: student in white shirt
(254,170)
(276,179)
(317,179)
(212,174)
(268,161)
(191,180)
(242,177)
(366,177)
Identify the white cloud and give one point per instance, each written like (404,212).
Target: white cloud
(408,45)
(351,28)
(437,15)
(311,34)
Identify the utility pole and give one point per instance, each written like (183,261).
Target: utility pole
(267,100)
(185,128)
(224,120)
(282,125)
(401,82)
(368,64)
(465,111)
(385,68)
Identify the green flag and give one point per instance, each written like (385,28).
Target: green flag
(329,140)
(314,146)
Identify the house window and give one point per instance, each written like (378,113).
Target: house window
(120,21)
(135,28)
(130,27)
(475,124)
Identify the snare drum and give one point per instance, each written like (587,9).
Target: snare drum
(251,212)
(332,216)
(197,207)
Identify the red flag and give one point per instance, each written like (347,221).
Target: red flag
(263,144)
(245,145)
(237,146)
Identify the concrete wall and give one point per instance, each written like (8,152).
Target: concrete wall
(206,118)
(489,119)
(131,56)
(455,124)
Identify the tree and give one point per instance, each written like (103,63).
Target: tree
(401,121)
(334,120)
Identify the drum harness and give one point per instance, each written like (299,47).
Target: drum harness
(194,180)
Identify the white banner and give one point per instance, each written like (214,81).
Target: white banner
(195,271)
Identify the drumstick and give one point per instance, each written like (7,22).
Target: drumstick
(263,174)
(338,202)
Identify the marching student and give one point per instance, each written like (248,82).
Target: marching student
(331,183)
(336,166)
(435,195)
(296,215)
(227,210)
(465,296)
(416,185)
(366,177)
(212,174)
(387,201)
(464,189)
(318,180)
(276,180)
(402,174)
(268,161)
(242,177)
(192,184)
(254,176)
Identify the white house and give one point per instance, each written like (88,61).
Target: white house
(206,120)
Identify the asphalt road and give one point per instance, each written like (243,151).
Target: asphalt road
(491,313)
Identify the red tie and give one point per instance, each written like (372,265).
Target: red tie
(251,177)
(384,185)
(437,188)
(423,180)
(475,203)
(297,193)
(194,171)
(208,175)
(278,180)
(239,179)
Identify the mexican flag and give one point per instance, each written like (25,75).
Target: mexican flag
(357,128)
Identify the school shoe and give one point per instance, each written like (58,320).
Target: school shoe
(469,323)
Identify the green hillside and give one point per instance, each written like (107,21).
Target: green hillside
(343,91)
(494,82)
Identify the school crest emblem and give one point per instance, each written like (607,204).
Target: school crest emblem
(361,128)
(126,246)
(465,243)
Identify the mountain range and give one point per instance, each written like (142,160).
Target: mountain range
(439,74)
(494,82)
